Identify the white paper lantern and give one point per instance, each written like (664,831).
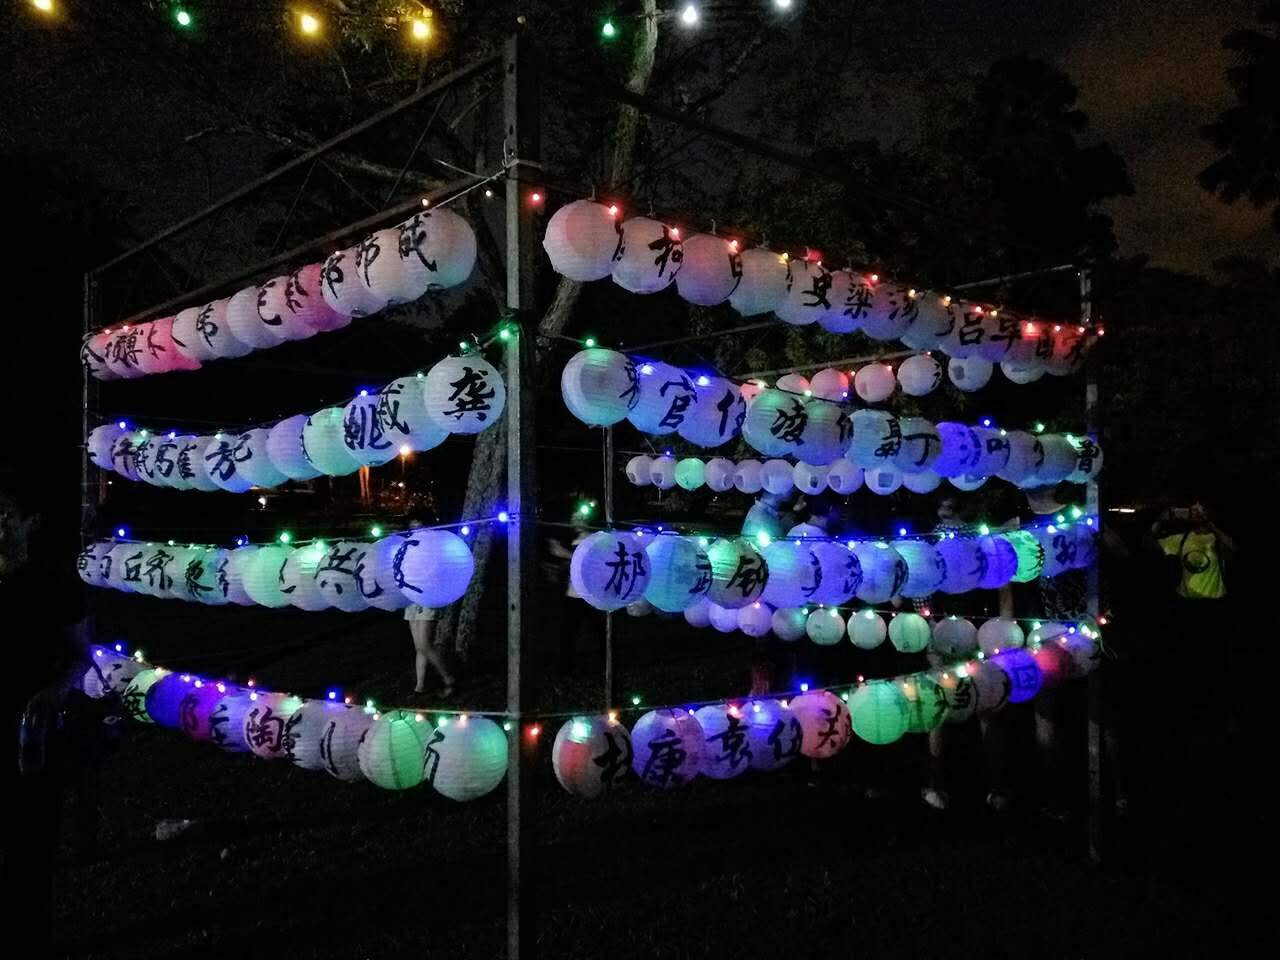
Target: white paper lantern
(690,473)
(763,286)
(891,312)
(1088,459)
(433,568)
(810,479)
(776,423)
(222,458)
(926,568)
(991,686)
(877,438)
(345,286)
(839,318)
(794,383)
(163,468)
(341,741)
(199,580)
(830,384)
(324,444)
(363,433)
(93,564)
(464,394)
(299,581)
(774,735)
(666,397)
(286,449)
(844,476)
(1069,344)
(827,433)
(159,354)
(122,567)
(840,573)
(264,723)
(591,755)
(924,482)
(717,414)
(883,481)
(919,375)
(123,354)
(94,354)
(958,693)
(376,580)
(719,474)
(788,623)
(390,753)
(710,271)
(212,325)
(920,447)
(698,613)
(344,576)
(748,476)
(438,249)
(188,338)
(1060,548)
(280,308)
(667,749)
(883,571)
(599,386)
(1057,460)
(580,240)
(954,637)
(726,744)
(384,269)
(867,630)
(109,672)
(879,712)
(806,530)
(662,472)
(994,455)
(738,573)
(101,444)
(1000,633)
(313,725)
(1021,373)
(755,619)
(261,575)
(157,570)
(961,450)
(231,572)
(638,470)
(680,573)
(967,482)
(722,618)
(966,333)
(808,296)
(609,569)
(246,322)
(124,455)
(1024,454)
(824,626)
(777,477)
(969,373)
(794,573)
(304,297)
(647,257)
(909,633)
(874,382)
(964,561)
(824,723)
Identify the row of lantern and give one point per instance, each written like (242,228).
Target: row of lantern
(671,747)
(432,250)
(612,568)
(458,395)
(431,568)
(462,757)
(586,241)
(917,376)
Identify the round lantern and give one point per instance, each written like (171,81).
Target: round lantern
(324,443)
(279,307)
(232,570)
(994,447)
(247,324)
(109,672)
(344,284)
(967,482)
(774,735)
(808,296)
(187,339)
(1021,373)
(794,383)
(1057,460)
(1025,678)
(763,285)
(690,473)
(969,373)
(666,398)
(662,472)
(377,572)
(716,415)
(919,375)
(824,626)
(203,577)
(591,755)
(340,744)
(1082,645)
(879,712)
(755,619)
(599,386)
(1068,351)
(830,384)
(262,575)
(299,582)
(710,270)
(926,568)
(1030,554)
(909,633)
(867,630)
(464,394)
(195,712)
(134,698)
(964,564)
(883,481)
(609,569)
(824,723)
(90,563)
(965,333)
(308,729)
(363,433)
(698,613)
(874,382)
(124,455)
(158,354)
(738,573)
(667,750)
(226,721)
(726,742)
(719,474)
(382,268)
(1024,454)
(580,240)
(438,249)
(264,723)
(304,297)
(402,410)
(1087,540)
(344,576)
(747,476)
(921,445)
(827,433)
(961,450)
(788,623)
(94,354)
(809,479)
(1059,545)
(843,315)
(926,703)
(777,477)
(839,573)
(1088,459)
(722,618)
(959,693)
(212,326)
(638,470)
(647,256)
(101,444)
(809,530)
(1000,562)
(679,573)
(877,438)
(924,482)
(883,571)
(286,451)
(158,570)
(433,568)
(999,634)
(222,458)
(123,567)
(891,310)
(165,470)
(124,349)
(991,685)
(954,637)
(466,758)
(391,752)
(844,476)
(775,423)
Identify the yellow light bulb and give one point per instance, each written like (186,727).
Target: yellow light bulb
(421,30)
(44,6)
(308,23)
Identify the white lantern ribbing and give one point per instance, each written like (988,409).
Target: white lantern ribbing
(738,573)
(830,384)
(964,562)
(432,568)
(638,470)
(1024,455)
(647,257)
(666,395)
(909,633)
(919,375)
(722,618)
(808,293)
(883,481)
(726,747)
(924,482)
(883,571)
(324,444)
(262,575)
(384,268)
(954,637)
(710,270)
(774,735)
(775,423)
(748,476)
(580,240)
(1000,633)
(961,450)
(824,626)
(867,630)
(874,382)
(969,373)
(690,473)
(777,477)
(824,723)
(344,576)
(286,450)
(591,755)
(698,613)
(879,712)
(662,472)
(719,474)
(246,322)
(667,749)
(921,445)
(755,619)
(844,476)
(877,438)
(788,623)
(809,478)
(202,578)
(231,572)
(213,327)
(363,434)
(390,754)
(716,415)
(341,741)
(464,394)
(345,287)
(438,249)
(279,308)
(763,286)
(610,569)
(599,386)
(402,409)
(926,569)
(679,573)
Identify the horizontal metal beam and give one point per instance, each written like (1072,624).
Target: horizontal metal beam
(840,362)
(1008,278)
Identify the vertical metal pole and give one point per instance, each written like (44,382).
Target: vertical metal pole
(89,479)
(1096,733)
(609,690)
(520,134)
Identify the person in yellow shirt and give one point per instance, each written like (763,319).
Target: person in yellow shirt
(1198,550)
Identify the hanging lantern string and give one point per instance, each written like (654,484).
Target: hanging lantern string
(463,526)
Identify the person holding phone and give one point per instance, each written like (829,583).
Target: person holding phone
(1199,549)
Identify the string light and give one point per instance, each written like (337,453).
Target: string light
(420,29)
(44,6)
(535,197)
(689,15)
(608,30)
(308,23)
(183,17)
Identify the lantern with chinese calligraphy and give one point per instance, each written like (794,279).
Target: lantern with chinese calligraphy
(722,618)
(1087,539)
(777,477)
(967,481)
(344,284)
(286,451)
(809,478)
(794,383)
(883,571)
(877,438)
(195,712)
(226,721)
(1053,660)
(844,476)
(340,744)
(991,685)
(212,326)
(247,324)
(1000,562)
(763,286)
(738,573)
(909,633)
(827,434)
(298,577)
(384,270)
(109,672)
(609,569)
(926,703)
(879,711)
(774,735)
(134,697)
(926,569)
(94,354)
(755,619)
(794,573)
(156,570)
(1088,459)
(1058,542)
(261,575)
(363,433)
(666,396)
(726,746)
(747,476)
(963,562)
(958,693)
(304,296)
(867,630)
(961,450)
(884,480)
(639,469)
(391,751)
(662,472)
(599,386)
(345,575)
(840,317)
(324,443)
(995,451)
(667,750)
(921,445)
(403,416)
(164,699)
(202,578)
(1029,552)
(232,572)
(710,271)
(808,296)
(954,637)
(874,382)
(679,573)
(101,444)
(969,373)
(999,633)
(719,474)
(188,339)
(92,563)
(891,312)
(1057,460)
(464,394)
(966,334)
(309,727)
(788,623)
(264,723)
(647,257)
(124,351)
(435,567)
(1023,671)
(717,415)
(377,578)
(775,423)
(690,473)
(280,308)
(1024,454)
(438,249)
(824,723)
(580,240)
(222,458)
(1069,344)
(123,567)
(591,755)
(159,355)
(165,471)
(840,573)
(124,455)
(919,375)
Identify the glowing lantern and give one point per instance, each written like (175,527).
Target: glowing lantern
(345,286)
(840,318)
(299,577)
(343,577)
(638,470)
(809,479)
(879,712)
(954,637)
(226,721)
(824,723)
(433,567)
(280,308)
(719,474)
(109,672)
(324,444)
(830,384)
(890,312)
(363,433)
(1054,662)
(883,481)
(808,296)
(232,570)
(995,449)
(874,382)
(591,755)
(738,573)
(340,744)
(309,727)
(926,703)
(999,633)
(391,752)
(726,749)
(777,477)
(867,630)
(788,623)
(747,476)
(883,571)
(722,618)
(639,608)
(1057,460)
(1087,539)
(1021,373)
(1082,644)
(924,482)
(304,296)
(827,433)
(202,577)
(609,569)
(716,415)
(101,444)
(877,438)
(991,686)
(195,712)
(213,327)
(1088,459)
(220,461)
(909,633)
(710,271)
(94,354)
(247,324)
(969,373)
(926,569)
(438,250)
(159,354)
(124,455)
(134,698)
(775,423)
(824,626)
(262,575)
(961,450)
(383,269)
(580,240)
(958,693)
(667,748)
(1024,455)
(464,394)
(964,562)
(123,355)
(164,699)
(690,473)
(794,383)
(680,573)
(1000,560)
(844,476)
(662,472)
(264,723)
(919,375)
(698,613)
(599,386)
(763,285)
(755,619)
(920,447)
(1030,554)
(647,256)
(840,573)
(1058,542)
(1068,351)
(666,394)
(93,563)
(774,735)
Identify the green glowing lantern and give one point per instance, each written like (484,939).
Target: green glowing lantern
(391,753)
(1030,554)
(880,712)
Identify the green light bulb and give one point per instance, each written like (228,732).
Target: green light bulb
(608,30)
(375,531)
(183,18)
(589,342)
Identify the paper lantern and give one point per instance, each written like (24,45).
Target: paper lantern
(710,270)
(1023,673)
(383,270)
(1088,459)
(830,384)
(726,741)
(1057,460)
(920,447)
(376,578)
(879,712)
(363,433)
(1059,545)
(909,633)
(748,476)
(101,443)
(1024,454)
(809,478)
(202,578)
(310,726)
(919,375)
(662,472)
(304,296)
(580,240)
(90,563)
(591,755)
(883,481)
(969,373)
(788,623)
(994,455)
(763,285)
(609,569)
(774,735)
(1081,643)
(341,742)
(824,723)
(867,630)
(1021,373)
(464,394)
(124,455)
(1054,662)
(261,575)
(839,573)
(883,571)
(109,672)
(959,694)
(924,482)
(221,460)
(124,351)
(286,451)
(134,698)
(667,749)
(889,309)
(719,474)
(324,443)
(158,354)
(954,637)
(716,415)
(926,703)
(212,325)
(638,470)
(824,626)
(666,395)
(466,758)
(926,568)
(247,324)
(998,634)
(264,723)
(722,618)
(1087,542)
(777,477)
(755,619)
(775,423)
(195,712)
(390,754)
(600,386)
(965,334)
(738,573)
(231,572)
(827,433)
(157,570)
(961,450)
(433,568)
(1069,345)
(647,256)
(964,563)
(344,284)
(1030,554)
(438,251)
(844,476)
(698,613)
(226,720)
(1001,562)
(344,575)
(188,339)
(299,582)
(991,686)
(808,296)
(280,308)
(874,382)
(123,567)
(877,438)
(806,530)
(680,573)
(402,413)
(164,467)
(794,383)
(690,473)
(144,452)
(94,352)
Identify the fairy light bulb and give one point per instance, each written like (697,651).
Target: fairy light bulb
(308,24)
(421,29)
(689,15)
